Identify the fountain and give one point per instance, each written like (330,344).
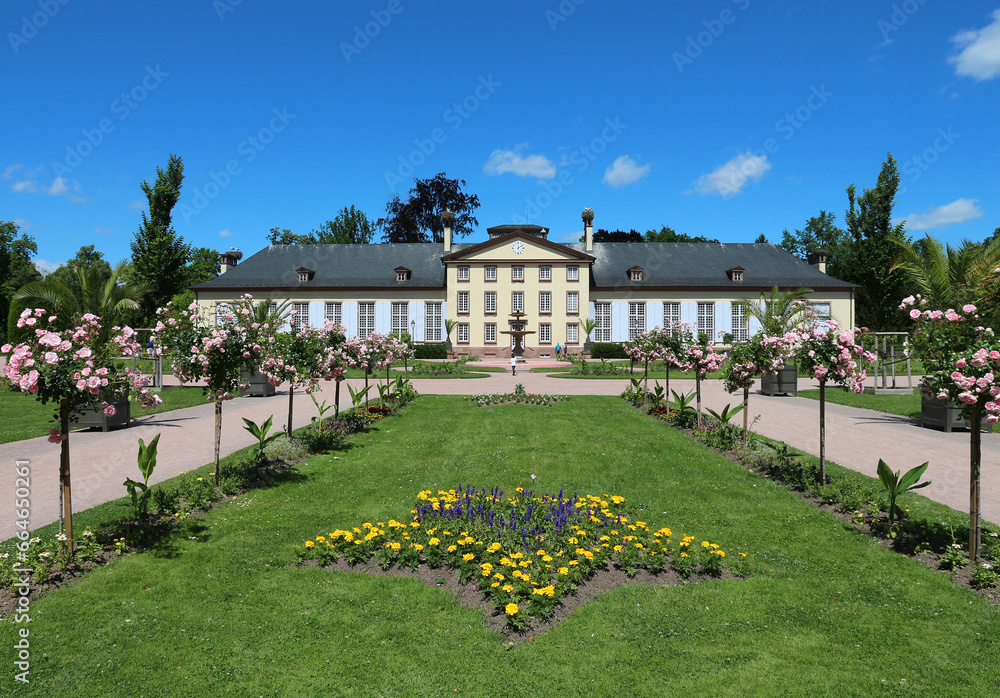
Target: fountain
(517,332)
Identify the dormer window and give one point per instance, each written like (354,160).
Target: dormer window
(305,274)
(735,274)
(402,274)
(635,274)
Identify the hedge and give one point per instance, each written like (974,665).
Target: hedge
(430,351)
(608,350)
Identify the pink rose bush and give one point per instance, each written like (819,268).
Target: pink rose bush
(305,356)
(72,365)
(961,357)
(833,355)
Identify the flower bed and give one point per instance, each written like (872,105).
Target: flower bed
(520,397)
(525,552)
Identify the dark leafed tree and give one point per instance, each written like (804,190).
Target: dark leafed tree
(350,227)
(761,239)
(872,253)
(418,219)
(204,266)
(668,234)
(284,236)
(820,232)
(602,235)
(16,268)
(86,257)
(159,254)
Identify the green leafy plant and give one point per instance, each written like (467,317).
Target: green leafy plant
(896,485)
(686,415)
(260,433)
(139,492)
(357,396)
(728,412)
(322,408)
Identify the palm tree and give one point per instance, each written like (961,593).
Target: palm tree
(779,312)
(100,293)
(949,277)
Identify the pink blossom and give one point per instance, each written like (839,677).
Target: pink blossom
(914,313)
(55,436)
(969,308)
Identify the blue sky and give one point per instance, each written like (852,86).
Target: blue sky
(727,119)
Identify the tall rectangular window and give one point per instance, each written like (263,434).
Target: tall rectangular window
(517,301)
(220,313)
(400,318)
(490,302)
(573,273)
(636,319)
(572,302)
(572,334)
(706,320)
(602,316)
(463,273)
(544,333)
(517,273)
(490,273)
(432,321)
(334,313)
(822,311)
(300,315)
(671,316)
(366,319)
(741,332)
(545,273)
(463,333)
(463,302)
(545,302)
(490,333)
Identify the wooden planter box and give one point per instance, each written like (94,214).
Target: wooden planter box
(259,385)
(96,419)
(785,382)
(944,415)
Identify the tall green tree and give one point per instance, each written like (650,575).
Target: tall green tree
(349,227)
(779,311)
(820,232)
(874,247)
(16,268)
(668,234)
(284,236)
(418,219)
(86,257)
(602,235)
(159,254)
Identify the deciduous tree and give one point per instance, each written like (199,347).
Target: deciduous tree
(418,219)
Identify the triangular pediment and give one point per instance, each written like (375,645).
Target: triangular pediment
(514,247)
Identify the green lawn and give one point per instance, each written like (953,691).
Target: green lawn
(903,405)
(22,416)
(221,607)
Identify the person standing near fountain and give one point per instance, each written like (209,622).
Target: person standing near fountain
(513,365)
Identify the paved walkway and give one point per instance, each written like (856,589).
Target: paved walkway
(854,438)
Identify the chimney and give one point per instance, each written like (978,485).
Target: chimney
(448,218)
(817,258)
(228,260)
(588,229)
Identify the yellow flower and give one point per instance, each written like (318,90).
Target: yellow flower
(433,541)
(418,547)
(512,609)
(494,585)
(617,548)
(508,588)
(704,544)
(452,548)
(320,539)
(564,570)
(468,556)
(200,479)
(309,544)
(494,547)
(499,577)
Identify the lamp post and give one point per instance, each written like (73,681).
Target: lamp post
(413,338)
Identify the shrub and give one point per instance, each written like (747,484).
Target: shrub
(286,450)
(608,350)
(430,351)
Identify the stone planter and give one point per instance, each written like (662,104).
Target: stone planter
(259,385)
(96,419)
(944,415)
(784,382)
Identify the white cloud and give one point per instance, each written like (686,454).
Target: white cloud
(227,233)
(137,205)
(25,185)
(979,56)
(22,224)
(957,211)
(11,169)
(58,187)
(624,170)
(104,231)
(729,180)
(512,161)
(45,266)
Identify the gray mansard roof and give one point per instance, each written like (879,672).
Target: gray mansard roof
(664,265)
